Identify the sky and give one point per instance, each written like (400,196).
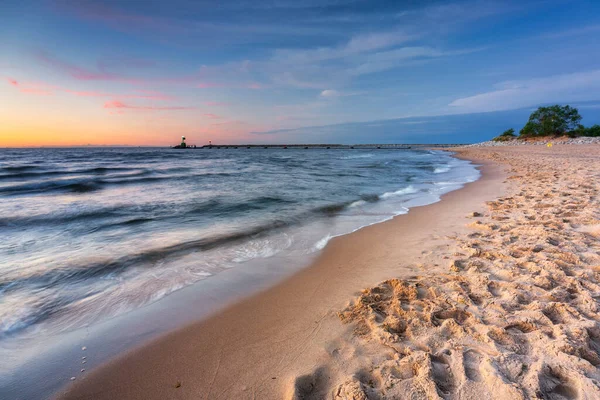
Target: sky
(78,72)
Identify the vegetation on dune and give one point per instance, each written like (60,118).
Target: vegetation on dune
(581,130)
(554,120)
(508,134)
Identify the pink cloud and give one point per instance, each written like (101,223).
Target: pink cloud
(115,104)
(151,95)
(32,88)
(83,74)
(87,93)
(46,89)
(101,73)
(212,116)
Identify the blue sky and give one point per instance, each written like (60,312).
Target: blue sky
(130,72)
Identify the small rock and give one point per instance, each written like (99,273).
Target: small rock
(475,214)
(84,348)
(82,369)
(73,378)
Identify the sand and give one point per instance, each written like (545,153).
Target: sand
(489,294)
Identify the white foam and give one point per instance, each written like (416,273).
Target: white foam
(263,248)
(368,155)
(320,245)
(441,170)
(357,203)
(407,190)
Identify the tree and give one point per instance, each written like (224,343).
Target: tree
(553,120)
(507,135)
(593,130)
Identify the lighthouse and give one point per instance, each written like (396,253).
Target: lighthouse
(183,145)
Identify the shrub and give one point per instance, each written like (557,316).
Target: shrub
(593,130)
(507,135)
(581,130)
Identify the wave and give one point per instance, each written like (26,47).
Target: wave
(320,245)
(34,312)
(18,168)
(86,185)
(76,274)
(41,172)
(355,156)
(132,214)
(441,170)
(407,190)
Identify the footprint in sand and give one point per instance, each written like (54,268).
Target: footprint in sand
(311,386)
(442,375)
(457,315)
(520,327)
(471,362)
(555,385)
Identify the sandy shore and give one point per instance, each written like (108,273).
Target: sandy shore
(497,304)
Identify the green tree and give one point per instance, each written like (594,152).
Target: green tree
(507,135)
(593,130)
(553,120)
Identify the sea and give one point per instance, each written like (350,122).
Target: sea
(87,234)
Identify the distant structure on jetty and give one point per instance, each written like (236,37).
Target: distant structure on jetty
(183,145)
(210,145)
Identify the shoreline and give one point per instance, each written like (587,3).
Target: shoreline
(279,323)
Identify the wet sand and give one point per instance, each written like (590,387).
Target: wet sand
(496,304)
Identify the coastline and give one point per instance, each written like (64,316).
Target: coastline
(259,346)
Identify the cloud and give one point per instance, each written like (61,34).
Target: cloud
(32,88)
(80,73)
(151,95)
(578,86)
(47,89)
(212,116)
(340,65)
(115,104)
(330,93)
(356,45)
(196,79)
(390,59)
(585,30)
(243,23)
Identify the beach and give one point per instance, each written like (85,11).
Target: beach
(489,293)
